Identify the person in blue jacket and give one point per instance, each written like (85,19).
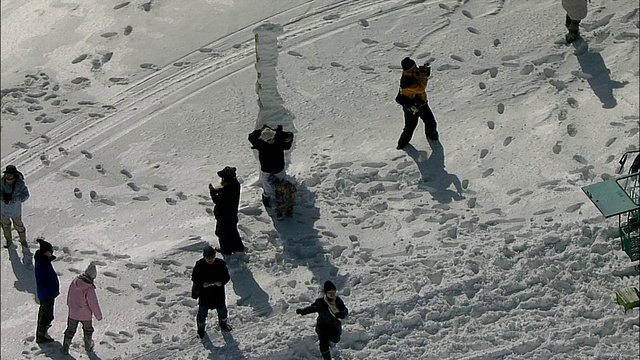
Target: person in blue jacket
(14,193)
(331,311)
(48,288)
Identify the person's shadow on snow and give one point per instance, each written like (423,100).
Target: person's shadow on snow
(23,270)
(246,286)
(435,178)
(301,240)
(230,350)
(599,79)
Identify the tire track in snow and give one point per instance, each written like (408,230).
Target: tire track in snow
(161,90)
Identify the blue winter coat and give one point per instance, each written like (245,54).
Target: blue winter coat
(47,282)
(14,194)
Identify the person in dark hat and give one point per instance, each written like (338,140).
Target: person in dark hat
(14,193)
(48,289)
(271,145)
(413,98)
(226,200)
(209,277)
(83,306)
(331,311)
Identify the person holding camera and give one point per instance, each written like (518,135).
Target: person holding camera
(271,145)
(209,277)
(14,193)
(227,199)
(413,98)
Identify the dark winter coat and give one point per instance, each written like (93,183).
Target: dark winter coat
(13,195)
(226,200)
(47,283)
(327,325)
(271,156)
(413,84)
(212,297)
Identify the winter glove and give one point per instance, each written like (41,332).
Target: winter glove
(279,128)
(6,197)
(299,311)
(426,69)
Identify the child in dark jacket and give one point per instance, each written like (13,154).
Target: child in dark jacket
(48,289)
(331,311)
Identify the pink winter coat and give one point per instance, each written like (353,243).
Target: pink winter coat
(82,300)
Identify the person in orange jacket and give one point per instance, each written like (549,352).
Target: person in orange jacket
(413,98)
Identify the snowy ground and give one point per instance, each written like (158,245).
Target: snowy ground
(120,114)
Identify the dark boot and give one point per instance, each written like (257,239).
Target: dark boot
(266,201)
(43,337)
(23,239)
(224,326)
(200,325)
(88,344)
(326,355)
(66,345)
(574,30)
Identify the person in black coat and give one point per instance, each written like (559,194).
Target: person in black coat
(209,277)
(48,289)
(271,145)
(226,200)
(331,311)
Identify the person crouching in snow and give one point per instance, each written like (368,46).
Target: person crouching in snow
(285,193)
(331,311)
(226,200)
(209,277)
(271,145)
(83,305)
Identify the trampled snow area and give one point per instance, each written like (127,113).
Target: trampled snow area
(483,246)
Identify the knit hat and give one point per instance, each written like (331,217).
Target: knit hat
(208,251)
(329,286)
(91,271)
(11,169)
(407,64)
(228,173)
(267,134)
(44,246)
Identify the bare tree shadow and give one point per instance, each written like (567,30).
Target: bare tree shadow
(301,240)
(592,63)
(435,178)
(23,270)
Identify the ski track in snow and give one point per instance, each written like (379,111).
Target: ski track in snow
(450,286)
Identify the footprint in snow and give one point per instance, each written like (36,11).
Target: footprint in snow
(401,45)
(573,207)
(336,64)
(369,41)
(160,187)
(294,53)
(467,14)
(496,42)
(331,17)
(477,52)
(109,34)
(473,30)
(527,69)
(182,196)
(448,67)
(133,186)
(366,68)
(28,127)
(109,274)
(72,173)
(79,59)
(77,193)
(580,159)
(141,198)
(121,5)
(45,160)
(572,102)
(562,114)
(491,125)
(487,172)
(500,108)
(444,6)
(493,71)
(312,68)
(94,195)
(170,201)
(100,169)
(571,130)
(610,141)
(482,85)
(127,30)
(557,148)
(126,173)
(483,153)
(21,145)
(86,154)
(108,202)
(507,141)
(363,22)
(149,66)
(457,58)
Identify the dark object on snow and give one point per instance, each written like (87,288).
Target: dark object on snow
(227,200)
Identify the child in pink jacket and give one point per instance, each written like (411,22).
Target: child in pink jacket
(83,305)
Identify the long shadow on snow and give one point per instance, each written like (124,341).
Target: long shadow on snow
(301,241)
(23,270)
(593,64)
(435,178)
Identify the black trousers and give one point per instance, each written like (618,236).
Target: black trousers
(228,236)
(45,317)
(411,122)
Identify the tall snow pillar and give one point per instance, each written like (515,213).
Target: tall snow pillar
(272,111)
